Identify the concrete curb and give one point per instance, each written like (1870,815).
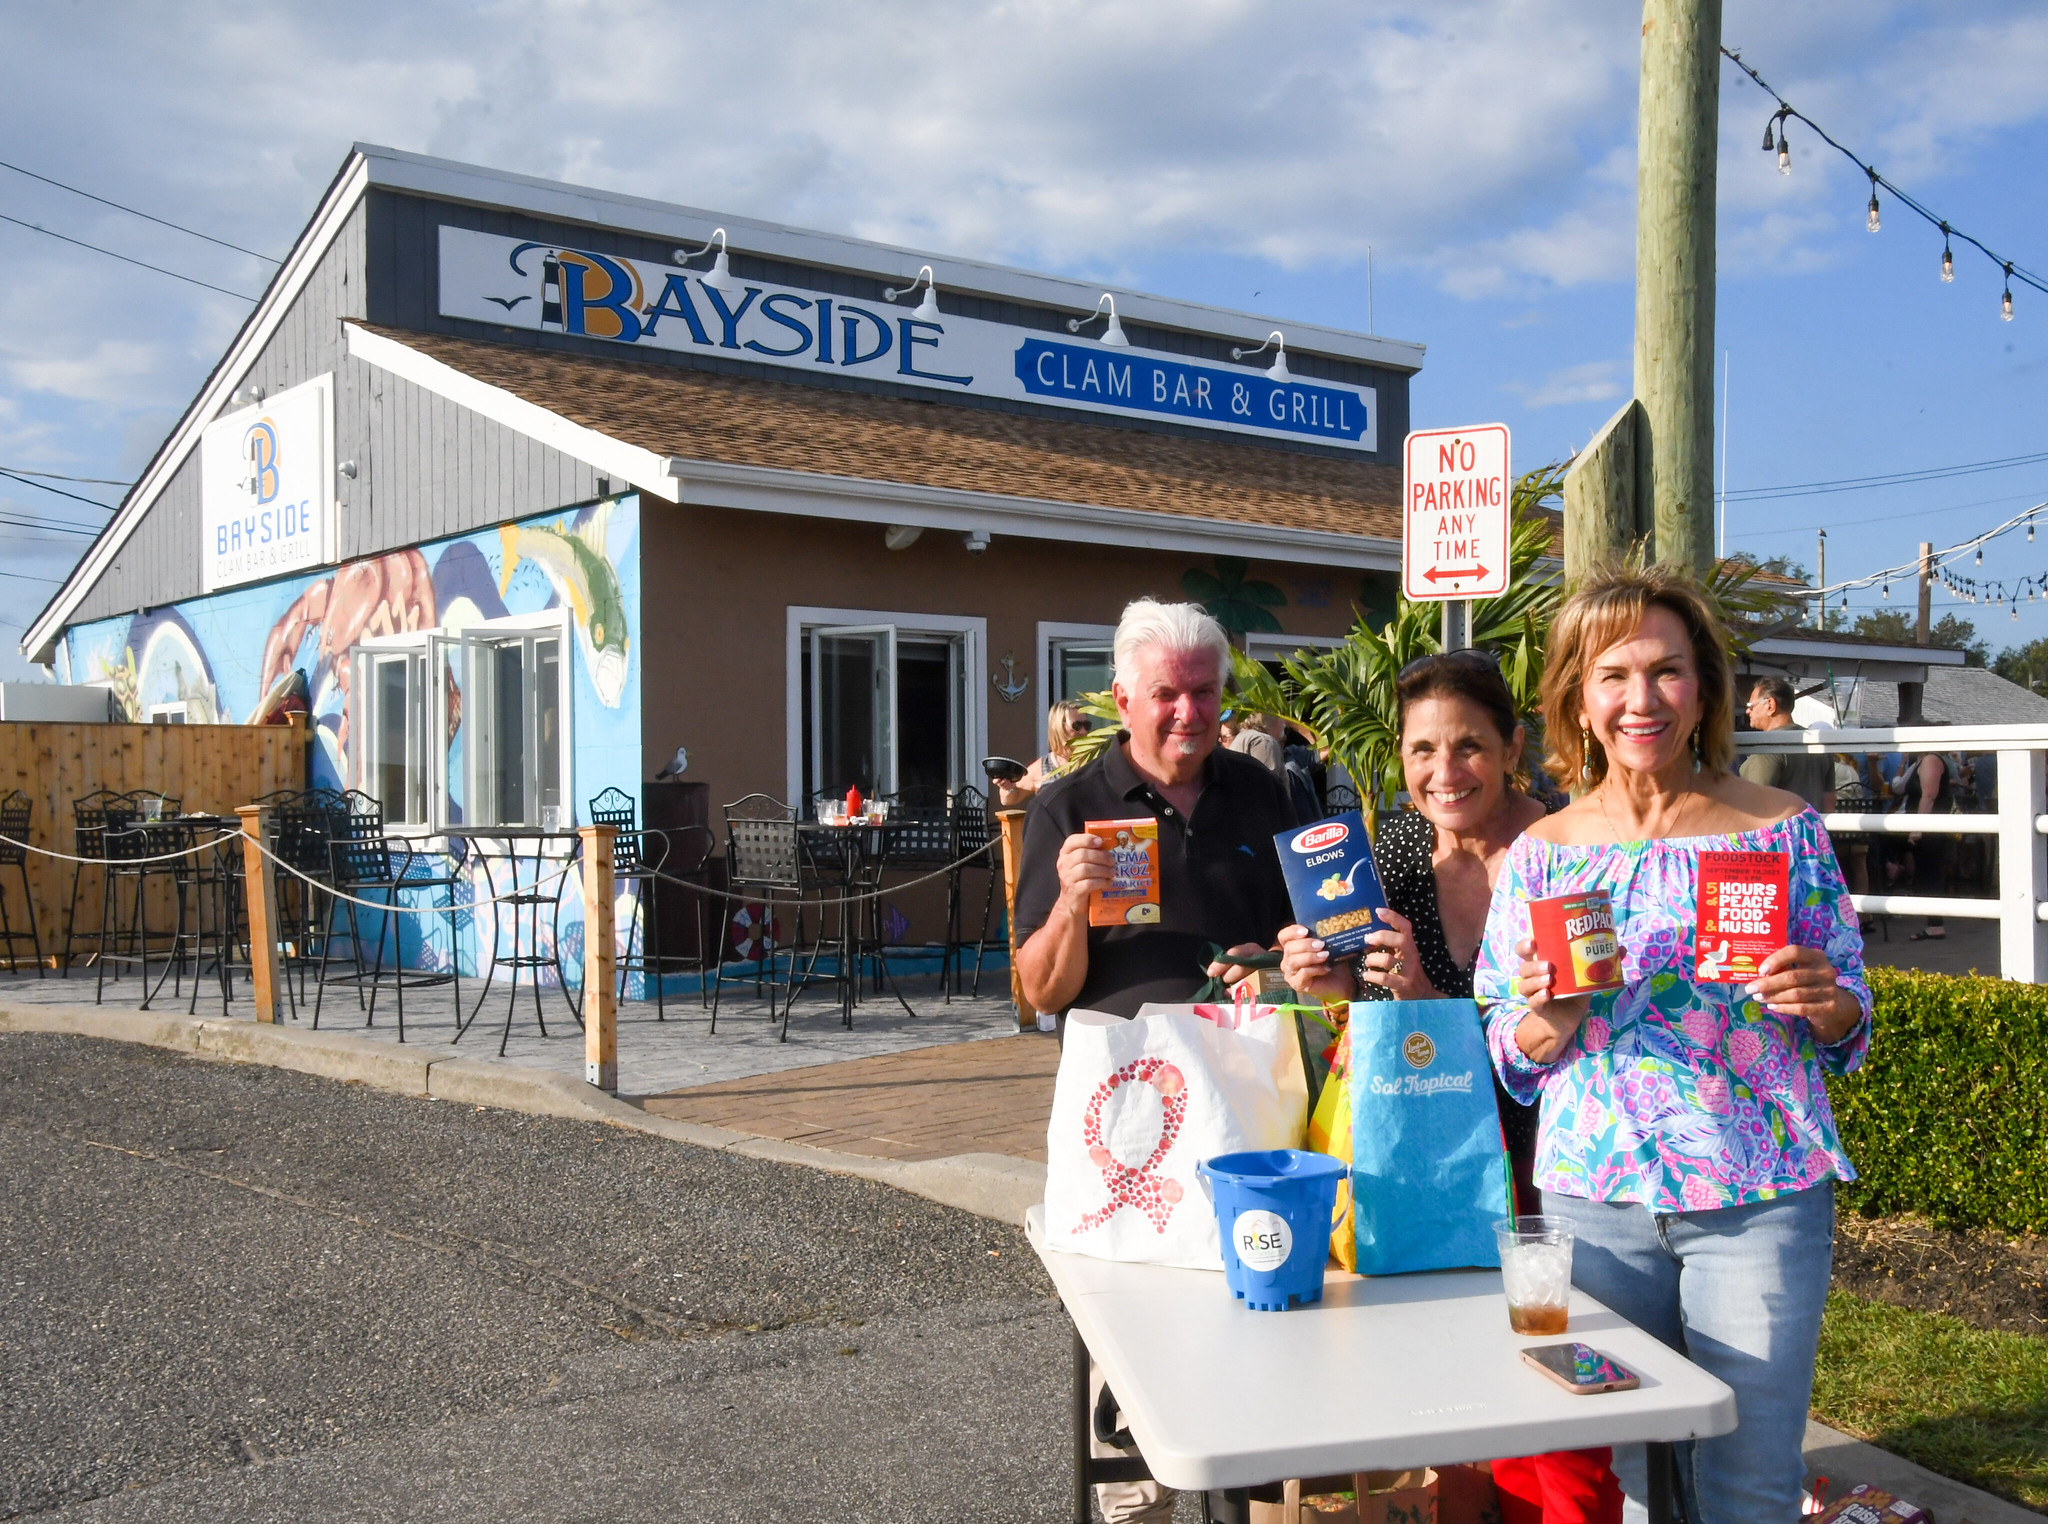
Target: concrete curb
(1845,1461)
(989,1185)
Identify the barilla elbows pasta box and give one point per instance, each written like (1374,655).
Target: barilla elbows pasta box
(1132,898)
(1743,897)
(1331,880)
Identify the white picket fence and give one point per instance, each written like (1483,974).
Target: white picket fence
(2019,824)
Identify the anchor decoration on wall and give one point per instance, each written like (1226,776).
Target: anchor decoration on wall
(1010,685)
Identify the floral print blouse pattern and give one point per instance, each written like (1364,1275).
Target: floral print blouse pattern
(1684,1096)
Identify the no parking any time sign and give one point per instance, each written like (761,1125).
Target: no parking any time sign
(1454,527)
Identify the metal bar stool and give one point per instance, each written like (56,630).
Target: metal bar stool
(543,892)
(763,858)
(974,829)
(16,812)
(365,861)
(89,814)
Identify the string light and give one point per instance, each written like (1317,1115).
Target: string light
(1775,134)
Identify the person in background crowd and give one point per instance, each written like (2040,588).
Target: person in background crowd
(1219,872)
(1928,787)
(1461,745)
(1065,723)
(1721,1247)
(1812,777)
(1258,737)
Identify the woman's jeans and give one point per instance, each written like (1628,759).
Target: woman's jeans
(1738,1292)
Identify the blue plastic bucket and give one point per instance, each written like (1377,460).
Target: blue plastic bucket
(1273,1212)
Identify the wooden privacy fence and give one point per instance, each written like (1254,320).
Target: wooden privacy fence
(210,769)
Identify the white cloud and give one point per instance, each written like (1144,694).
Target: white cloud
(1594,381)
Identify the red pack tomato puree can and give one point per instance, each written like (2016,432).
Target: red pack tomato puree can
(1575,935)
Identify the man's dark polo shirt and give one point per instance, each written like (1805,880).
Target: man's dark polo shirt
(1219,874)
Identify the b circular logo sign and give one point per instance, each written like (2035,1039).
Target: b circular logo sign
(1263,1240)
(1418,1050)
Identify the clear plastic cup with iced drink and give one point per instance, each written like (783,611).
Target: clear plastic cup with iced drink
(1536,1272)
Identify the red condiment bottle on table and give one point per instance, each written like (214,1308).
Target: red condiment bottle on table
(854,803)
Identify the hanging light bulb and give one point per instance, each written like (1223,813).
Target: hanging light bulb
(2005,307)
(1887,590)
(1784,149)
(1873,224)
(1948,258)
(2030,531)
(1980,555)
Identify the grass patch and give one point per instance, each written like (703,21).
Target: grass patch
(1966,1402)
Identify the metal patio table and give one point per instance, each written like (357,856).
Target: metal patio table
(524,853)
(850,853)
(1384,1374)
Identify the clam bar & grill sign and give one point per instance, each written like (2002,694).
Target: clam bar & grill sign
(267,487)
(547,288)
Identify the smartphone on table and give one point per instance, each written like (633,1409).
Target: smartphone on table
(1580,1368)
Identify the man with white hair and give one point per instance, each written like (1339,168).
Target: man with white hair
(1219,873)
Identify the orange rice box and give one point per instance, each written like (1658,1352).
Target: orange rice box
(1742,914)
(1132,898)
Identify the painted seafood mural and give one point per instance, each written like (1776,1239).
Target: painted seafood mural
(213,660)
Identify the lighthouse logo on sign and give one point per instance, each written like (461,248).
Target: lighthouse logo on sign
(1456,490)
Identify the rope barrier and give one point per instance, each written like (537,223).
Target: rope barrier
(495,900)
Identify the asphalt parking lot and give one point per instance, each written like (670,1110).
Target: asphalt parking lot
(230,1292)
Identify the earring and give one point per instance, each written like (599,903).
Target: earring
(1696,748)
(1586,754)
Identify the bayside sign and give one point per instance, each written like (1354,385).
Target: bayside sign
(1455,506)
(266,487)
(549,289)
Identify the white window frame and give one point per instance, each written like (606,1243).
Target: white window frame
(1052,634)
(362,727)
(1265,646)
(487,633)
(973,630)
(179,713)
(443,648)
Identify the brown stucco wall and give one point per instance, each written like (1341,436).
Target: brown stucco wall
(716,585)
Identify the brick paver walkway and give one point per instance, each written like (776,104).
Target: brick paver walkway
(993,1096)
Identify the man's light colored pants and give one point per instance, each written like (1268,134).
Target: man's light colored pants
(1124,1502)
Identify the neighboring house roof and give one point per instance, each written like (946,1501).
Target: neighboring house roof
(1956,696)
(699,421)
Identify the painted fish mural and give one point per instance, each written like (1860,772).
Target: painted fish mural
(574,561)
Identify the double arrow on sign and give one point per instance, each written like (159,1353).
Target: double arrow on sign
(1454,574)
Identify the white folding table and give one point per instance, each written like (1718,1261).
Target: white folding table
(1385,1373)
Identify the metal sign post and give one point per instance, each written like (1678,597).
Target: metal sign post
(1457,486)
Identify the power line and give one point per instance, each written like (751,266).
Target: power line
(145,216)
(1948,229)
(57,476)
(44,524)
(81,243)
(1890,479)
(28,577)
(1888,518)
(13,476)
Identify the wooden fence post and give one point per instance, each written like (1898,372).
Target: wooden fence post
(1012,822)
(259,888)
(600,960)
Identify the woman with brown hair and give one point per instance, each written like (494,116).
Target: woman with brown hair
(1685,1128)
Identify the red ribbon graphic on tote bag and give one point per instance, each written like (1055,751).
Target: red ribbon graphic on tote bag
(1137,1187)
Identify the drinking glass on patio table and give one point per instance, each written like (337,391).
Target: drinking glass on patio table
(1536,1272)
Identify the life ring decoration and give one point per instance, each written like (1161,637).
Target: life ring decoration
(754,931)
(1137,1187)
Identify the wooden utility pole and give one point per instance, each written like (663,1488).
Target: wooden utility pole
(1913,696)
(1678,119)
(1648,476)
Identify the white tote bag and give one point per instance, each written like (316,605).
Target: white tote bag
(1139,1103)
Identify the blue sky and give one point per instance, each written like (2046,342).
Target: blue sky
(1240,154)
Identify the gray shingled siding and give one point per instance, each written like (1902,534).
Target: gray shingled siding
(425,468)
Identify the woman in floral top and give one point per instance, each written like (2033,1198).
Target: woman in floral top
(1685,1130)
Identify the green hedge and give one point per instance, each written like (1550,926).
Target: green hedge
(1949,1117)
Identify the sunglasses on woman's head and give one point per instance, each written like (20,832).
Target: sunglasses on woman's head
(1471,658)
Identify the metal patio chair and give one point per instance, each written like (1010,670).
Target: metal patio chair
(17,810)
(974,828)
(363,861)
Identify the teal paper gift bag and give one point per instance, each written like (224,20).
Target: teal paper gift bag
(1429,1173)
